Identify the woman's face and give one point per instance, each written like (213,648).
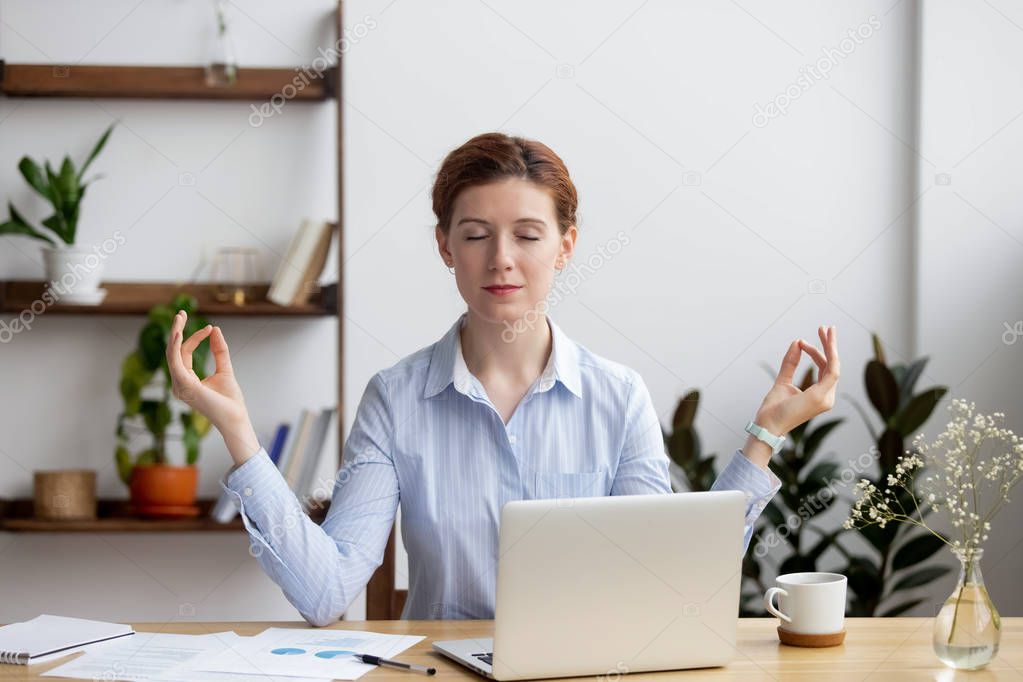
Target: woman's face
(505,234)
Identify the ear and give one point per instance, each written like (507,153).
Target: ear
(442,247)
(568,243)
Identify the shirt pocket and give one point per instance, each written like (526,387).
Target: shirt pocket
(560,484)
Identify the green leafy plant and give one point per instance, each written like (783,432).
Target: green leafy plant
(64,190)
(877,580)
(807,489)
(683,444)
(145,370)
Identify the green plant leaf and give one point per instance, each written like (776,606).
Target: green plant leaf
(908,383)
(890,448)
(17,226)
(881,389)
(918,410)
(878,349)
(916,550)
(157,415)
(134,377)
(819,477)
(817,436)
(33,175)
(152,346)
(921,577)
(685,412)
(863,578)
(163,315)
(58,224)
(147,458)
(124,464)
(190,438)
(96,150)
(68,181)
(53,183)
(796,563)
(900,609)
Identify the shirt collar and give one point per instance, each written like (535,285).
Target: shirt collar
(447,364)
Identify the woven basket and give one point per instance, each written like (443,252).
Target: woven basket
(69,494)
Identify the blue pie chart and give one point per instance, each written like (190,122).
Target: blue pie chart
(333,654)
(287,651)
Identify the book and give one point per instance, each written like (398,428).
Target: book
(295,460)
(314,451)
(302,264)
(44,635)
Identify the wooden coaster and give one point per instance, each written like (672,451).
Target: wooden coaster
(801,639)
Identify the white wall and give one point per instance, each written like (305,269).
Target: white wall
(651,106)
(970,235)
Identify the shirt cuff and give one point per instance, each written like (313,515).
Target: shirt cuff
(262,496)
(759,485)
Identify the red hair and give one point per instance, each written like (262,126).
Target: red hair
(491,157)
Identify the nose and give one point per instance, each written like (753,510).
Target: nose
(500,256)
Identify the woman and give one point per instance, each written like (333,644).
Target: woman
(497,410)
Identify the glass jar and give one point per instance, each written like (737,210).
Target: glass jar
(968,629)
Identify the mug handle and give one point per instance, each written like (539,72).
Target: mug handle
(769,603)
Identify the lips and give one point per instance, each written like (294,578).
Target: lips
(502,289)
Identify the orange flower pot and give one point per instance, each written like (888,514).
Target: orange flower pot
(164,490)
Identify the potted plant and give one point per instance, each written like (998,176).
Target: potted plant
(898,562)
(64,190)
(157,487)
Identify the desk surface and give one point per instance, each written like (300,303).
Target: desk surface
(874,649)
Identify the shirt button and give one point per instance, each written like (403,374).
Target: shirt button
(512,439)
(248,492)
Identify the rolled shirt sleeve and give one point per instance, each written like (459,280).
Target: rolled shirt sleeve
(757,484)
(321,569)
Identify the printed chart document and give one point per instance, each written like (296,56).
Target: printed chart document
(147,656)
(313,653)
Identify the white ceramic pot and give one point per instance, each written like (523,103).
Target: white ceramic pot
(75,274)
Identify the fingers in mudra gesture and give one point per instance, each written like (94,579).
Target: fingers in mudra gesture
(218,396)
(786,406)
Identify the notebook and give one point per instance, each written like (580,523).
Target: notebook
(43,635)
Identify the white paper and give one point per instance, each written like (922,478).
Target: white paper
(143,656)
(50,658)
(307,652)
(231,642)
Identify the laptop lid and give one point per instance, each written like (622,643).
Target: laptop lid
(621,584)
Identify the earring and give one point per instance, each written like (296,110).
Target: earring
(451,270)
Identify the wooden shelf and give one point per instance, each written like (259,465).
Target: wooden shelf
(136,298)
(114,516)
(161,82)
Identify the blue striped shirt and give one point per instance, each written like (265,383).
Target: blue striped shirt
(426,436)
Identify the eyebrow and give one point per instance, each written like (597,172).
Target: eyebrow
(484,222)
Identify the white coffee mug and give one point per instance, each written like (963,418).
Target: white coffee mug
(809,603)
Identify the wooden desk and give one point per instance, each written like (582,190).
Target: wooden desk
(874,649)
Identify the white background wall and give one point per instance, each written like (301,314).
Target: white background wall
(649,103)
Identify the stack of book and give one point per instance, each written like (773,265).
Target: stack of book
(299,272)
(299,452)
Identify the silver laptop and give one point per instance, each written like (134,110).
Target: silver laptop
(612,585)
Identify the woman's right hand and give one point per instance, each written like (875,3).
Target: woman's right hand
(218,396)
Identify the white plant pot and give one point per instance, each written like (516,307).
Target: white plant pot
(74,274)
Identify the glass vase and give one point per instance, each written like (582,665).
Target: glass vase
(968,628)
(222,67)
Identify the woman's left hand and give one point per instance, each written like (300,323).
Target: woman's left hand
(785,406)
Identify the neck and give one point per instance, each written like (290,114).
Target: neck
(492,350)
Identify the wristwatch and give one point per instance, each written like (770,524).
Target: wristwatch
(762,434)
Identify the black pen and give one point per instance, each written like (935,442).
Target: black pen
(411,667)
